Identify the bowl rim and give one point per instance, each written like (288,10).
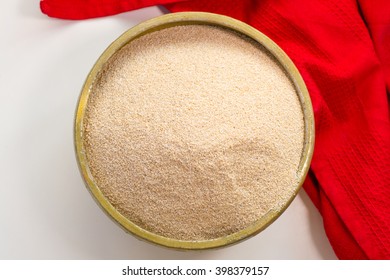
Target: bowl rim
(188,18)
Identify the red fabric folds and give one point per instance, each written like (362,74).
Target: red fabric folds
(341,48)
(376,14)
(84,9)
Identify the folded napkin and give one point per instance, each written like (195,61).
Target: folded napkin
(342,50)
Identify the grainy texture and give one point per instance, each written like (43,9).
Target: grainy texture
(193,132)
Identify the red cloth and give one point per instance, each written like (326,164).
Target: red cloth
(342,50)
(83,9)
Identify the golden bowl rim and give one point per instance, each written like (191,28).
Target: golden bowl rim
(185,18)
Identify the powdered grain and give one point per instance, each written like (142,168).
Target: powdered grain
(193,132)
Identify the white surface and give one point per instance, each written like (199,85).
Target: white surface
(46,212)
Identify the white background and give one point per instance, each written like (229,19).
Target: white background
(45,210)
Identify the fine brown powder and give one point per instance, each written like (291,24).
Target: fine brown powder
(193,132)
